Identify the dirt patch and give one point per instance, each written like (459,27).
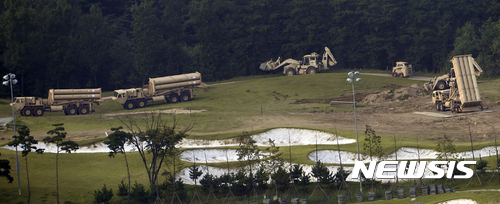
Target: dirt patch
(175,111)
(415,91)
(347,98)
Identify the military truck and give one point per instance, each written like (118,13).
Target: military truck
(402,69)
(310,64)
(463,92)
(70,101)
(173,89)
(443,82)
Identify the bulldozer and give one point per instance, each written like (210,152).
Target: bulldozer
(310,64)
(402,69)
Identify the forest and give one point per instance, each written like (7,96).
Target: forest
(121,43)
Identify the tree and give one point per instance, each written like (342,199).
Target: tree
(66,146)
(341,175)
(5,170)
(139,193)
(123,190)
(116,143)
(274,159)
(154,141)
(445,148)
(372,143)
(322,174)
(248,150)
(27,143)
(103,196)
(298,176)
(261,178)
(194,173)
(148,41)
(281,179)
(207,182)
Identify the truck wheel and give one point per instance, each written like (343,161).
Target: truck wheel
(311,70)
(72,110)
(401,75)
(440,85)
(437,107)
(186,96)
(142,103)
(27,111)
(290,72)
(173,98)
(84,110)
(38,111)
(394,74)
(129,105)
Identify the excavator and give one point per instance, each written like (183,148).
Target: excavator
(443,82)
(310,64)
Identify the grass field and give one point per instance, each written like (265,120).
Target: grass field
(253,104)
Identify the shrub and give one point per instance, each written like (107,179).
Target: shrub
(103,196)
(122,189)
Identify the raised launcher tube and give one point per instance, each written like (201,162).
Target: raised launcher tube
(466,80)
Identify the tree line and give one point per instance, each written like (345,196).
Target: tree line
(120,43)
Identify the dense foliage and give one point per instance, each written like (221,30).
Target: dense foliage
(120,43)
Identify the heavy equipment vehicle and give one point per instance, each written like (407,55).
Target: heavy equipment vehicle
(173,89)
(71,101)
(463,91)
(402,69)
(310,64)
(443,82)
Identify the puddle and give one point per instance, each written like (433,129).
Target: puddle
(209,155)
(403,153)
(459,201)
(281,137)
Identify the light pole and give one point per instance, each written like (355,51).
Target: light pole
(10,79)
(352,78)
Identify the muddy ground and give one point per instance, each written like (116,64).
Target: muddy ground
(392,112)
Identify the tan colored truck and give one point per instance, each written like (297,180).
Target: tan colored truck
(402,69)
(463,92)
(71,101)
(310,64)
(173,89)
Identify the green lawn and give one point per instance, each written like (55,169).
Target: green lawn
(229,109)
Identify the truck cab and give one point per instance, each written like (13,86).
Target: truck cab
(28,106)
(21,102)
(131,98)
(122,95)
(402,69)
(439,99)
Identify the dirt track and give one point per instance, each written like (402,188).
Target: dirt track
(419,78)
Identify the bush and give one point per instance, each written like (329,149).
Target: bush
(139,193)
(103,196)
(481,164)
(122,189)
